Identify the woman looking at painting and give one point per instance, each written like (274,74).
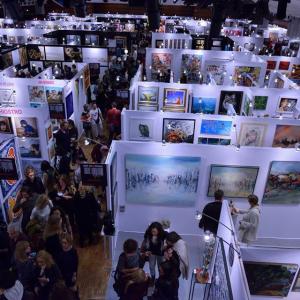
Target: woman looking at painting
(249,224)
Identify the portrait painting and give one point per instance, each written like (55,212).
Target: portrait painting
(252,134)
(246,76)
(286,105)
(203,105)
(161,63)
(36,164)
(54,94)
(36,94)
(6,125)
(260,102)
(148,95)
(26,127)
(141,129)
(178,130)
(234,98)
(191,67)
(162,180)
(29,148)
(283,183)
(174,97)
(286,136)
(216,127)
(270,279)
(235,181)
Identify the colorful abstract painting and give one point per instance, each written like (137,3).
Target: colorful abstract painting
(191,67)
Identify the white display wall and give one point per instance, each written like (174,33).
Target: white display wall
(228,58)
(166,38)
(137,217)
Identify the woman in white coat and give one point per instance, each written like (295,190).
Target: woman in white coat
(249,224)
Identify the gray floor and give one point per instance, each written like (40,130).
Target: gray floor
(195,248)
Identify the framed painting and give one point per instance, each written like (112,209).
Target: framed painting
(6,125)
(270,279)
(178,130)
(216,127)
(191,67)
(148,95)
(246,76)
(284,65)
(54,94)
(296,287)
(214,141)
(271,64)
(160,64)
(286,105)
(235,181)
(252,134)
(295,73)
(36,164)
(26,127)
(37,94)
(260,102)
(283,184)
(174,97)
(286,136)
(29,148)
(159,44)
(230,97)
(141,129)
(154,180)
(215,71)
(203,105)
(49,132)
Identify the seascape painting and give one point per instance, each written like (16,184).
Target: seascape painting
(283,183)
(216,127)
(204,105)
(270,279)
(178,130)
(148,95)
(162,180)
(286,136)
(235,181)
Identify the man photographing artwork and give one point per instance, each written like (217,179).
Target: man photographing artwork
(211,213)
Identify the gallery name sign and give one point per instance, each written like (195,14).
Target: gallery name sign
(10,111)
(46,82)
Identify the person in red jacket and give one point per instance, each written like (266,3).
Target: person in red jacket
(113,119)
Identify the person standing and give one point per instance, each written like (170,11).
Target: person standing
(248,226)
(86,121)
(33,182)
(211,213)
(113,118)
(96,121)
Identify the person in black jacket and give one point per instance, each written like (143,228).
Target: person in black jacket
(5,251)
(167,285)
(86,212)
(33,182)
(68,261)
(211,213)
(63,140)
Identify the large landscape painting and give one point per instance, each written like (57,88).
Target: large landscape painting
(270,279)
(162,180)
(283,183)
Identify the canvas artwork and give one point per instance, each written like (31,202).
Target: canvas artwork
(246,76)
(235,181)
(141,129)
(159,44)
(178,130)
(287,105)
(6,125)
(161,63)
(30,148)
(278,83)
(36,164)
(216,127)
(252,134)
(73,54)
(260,102)
(284,65)
(283,183)
(23,56)
(175,97)
(215,72)
(35,52)
(271,64)
(7,97)
(270,279)
(54,94)
(294,46)
(37,94)
(273,36)
(295,74)
(214,141)
(26,127)
(148,95)
(286,136)
(6,60)
(204,105)
(230,97)
(162,180)
(296,287)
(191,67)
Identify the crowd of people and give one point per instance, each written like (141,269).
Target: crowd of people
(166,251)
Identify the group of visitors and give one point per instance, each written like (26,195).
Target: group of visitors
(166,251)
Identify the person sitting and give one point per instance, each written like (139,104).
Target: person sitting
(211,213)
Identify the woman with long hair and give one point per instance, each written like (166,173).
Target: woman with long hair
(42,208)
(49,176)
(152,246)
(65,223)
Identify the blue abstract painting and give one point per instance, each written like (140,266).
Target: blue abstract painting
(203,105)
(161,180)
(216,127)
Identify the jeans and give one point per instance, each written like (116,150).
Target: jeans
(152,262)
